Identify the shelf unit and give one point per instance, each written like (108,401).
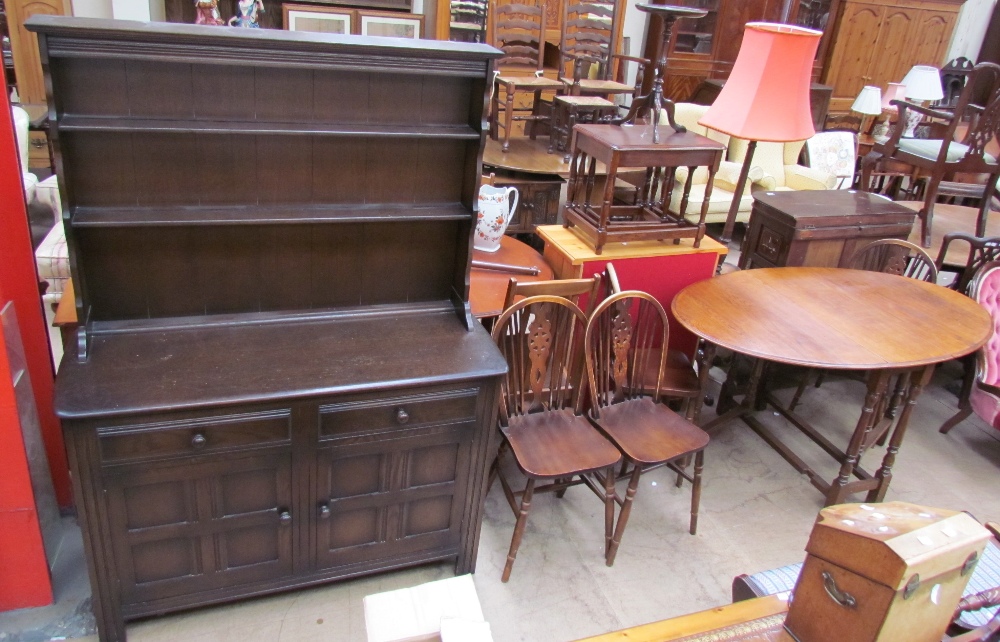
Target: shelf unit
(277,380)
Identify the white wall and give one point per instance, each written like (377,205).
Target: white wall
(973,20)
(123,9)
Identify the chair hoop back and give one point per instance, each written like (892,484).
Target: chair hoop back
(541,339)
(985,290)
(982,250)
(893,256)
(623,334)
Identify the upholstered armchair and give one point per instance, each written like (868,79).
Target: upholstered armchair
(687,114)
(21,123)
(984,398)
(779,162)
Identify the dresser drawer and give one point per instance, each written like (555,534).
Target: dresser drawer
(378,414)
(190,437)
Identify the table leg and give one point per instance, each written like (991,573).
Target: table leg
(705,356)
(878,382)
(884,475)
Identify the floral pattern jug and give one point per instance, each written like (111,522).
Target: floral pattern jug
(496,208)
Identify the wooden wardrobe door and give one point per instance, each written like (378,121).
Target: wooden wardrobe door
(854,50)
(889,62)
(24,45)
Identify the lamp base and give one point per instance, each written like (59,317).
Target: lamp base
(913,119)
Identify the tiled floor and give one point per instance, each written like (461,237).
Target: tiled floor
(756,514)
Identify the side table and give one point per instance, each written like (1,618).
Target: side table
(819,228)
(649,218)
(660,268)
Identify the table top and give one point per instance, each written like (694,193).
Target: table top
(489,287)
(640,137)
(757,620)
(833,318)
(578,251)
(526,155)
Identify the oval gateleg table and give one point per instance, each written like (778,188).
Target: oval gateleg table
(835,319)
(488,285)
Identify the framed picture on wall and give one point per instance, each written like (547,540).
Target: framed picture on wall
(303,17)
(390,24)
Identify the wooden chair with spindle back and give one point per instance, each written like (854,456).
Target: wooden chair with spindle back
(623,333)
(573,289)
(518,29)
(541,417)
(894,256)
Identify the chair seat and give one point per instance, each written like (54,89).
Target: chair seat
(535,82)
(601,86)
(650,433)
(558,443)
(929,148)
(584,101)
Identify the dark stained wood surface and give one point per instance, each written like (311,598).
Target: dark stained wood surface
(169,369)
(952,218)
(833,318)
(489,287)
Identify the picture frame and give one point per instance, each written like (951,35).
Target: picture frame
(314,19)
(391,24)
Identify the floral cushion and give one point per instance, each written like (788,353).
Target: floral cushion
(835,153)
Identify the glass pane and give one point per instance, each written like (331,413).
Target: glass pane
(695,36)
(814,14)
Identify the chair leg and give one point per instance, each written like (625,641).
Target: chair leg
(508,117)
(609,507)
(927,213)
(522,520)
(529,126)
(682,465)
(616,539)
(801,389)
(959,417)
(494,112)
(699,464)
(984,206)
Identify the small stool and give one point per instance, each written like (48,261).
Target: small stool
(567,111)
(510,85)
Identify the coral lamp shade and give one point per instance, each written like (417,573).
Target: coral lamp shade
(766,97)
(895,91)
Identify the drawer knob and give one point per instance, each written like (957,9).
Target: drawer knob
(198,441)
(402,416)
(285,518)
(324,511)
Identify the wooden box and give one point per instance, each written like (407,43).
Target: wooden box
(819,228)
(277,380)
(887,572)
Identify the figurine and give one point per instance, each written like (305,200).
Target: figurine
(207,13)
(246,14)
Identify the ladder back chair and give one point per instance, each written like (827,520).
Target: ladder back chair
(518,29)
(541,419)
(589,62)
(624,332)
(946,155)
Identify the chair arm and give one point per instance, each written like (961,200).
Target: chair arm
(766,182)
(729,175)
(988,388)
(641,61)
(946,242)
(800,177)
(700,176)
(926,111)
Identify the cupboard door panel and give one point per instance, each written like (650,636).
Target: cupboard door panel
(889,63)
(932,31)
(382,497)
(200,524)
(849,65)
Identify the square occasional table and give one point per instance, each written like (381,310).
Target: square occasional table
(631,147)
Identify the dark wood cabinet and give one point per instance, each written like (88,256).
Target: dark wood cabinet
(819,228)
(538,200)
(277,380)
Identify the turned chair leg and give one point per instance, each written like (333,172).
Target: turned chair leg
(522,520)
(508,118)
(609,507)
(616,539)
(699,464)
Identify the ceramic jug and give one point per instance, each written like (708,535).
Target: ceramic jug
(496,208)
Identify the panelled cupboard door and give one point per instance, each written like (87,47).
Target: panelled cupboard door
(850,64)
(24,45)
(895,38)
(397,495)
(935,29)
(193,525)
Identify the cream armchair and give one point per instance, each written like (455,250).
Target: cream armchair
(687,114)
(781,171)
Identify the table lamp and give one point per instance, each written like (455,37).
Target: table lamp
(766,97)
(923,83)
(894,91)
(868,103)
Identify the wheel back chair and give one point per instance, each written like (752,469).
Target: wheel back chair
(946,155)
(624,333)
(984,396)
(891,256)
(518,29)
(540,411)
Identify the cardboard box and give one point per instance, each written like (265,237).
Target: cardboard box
(415,614)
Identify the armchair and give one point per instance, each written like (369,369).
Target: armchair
(779,163)
(688,114)
(945,155)
(984,397)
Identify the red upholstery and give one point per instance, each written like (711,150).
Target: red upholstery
(984,402)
